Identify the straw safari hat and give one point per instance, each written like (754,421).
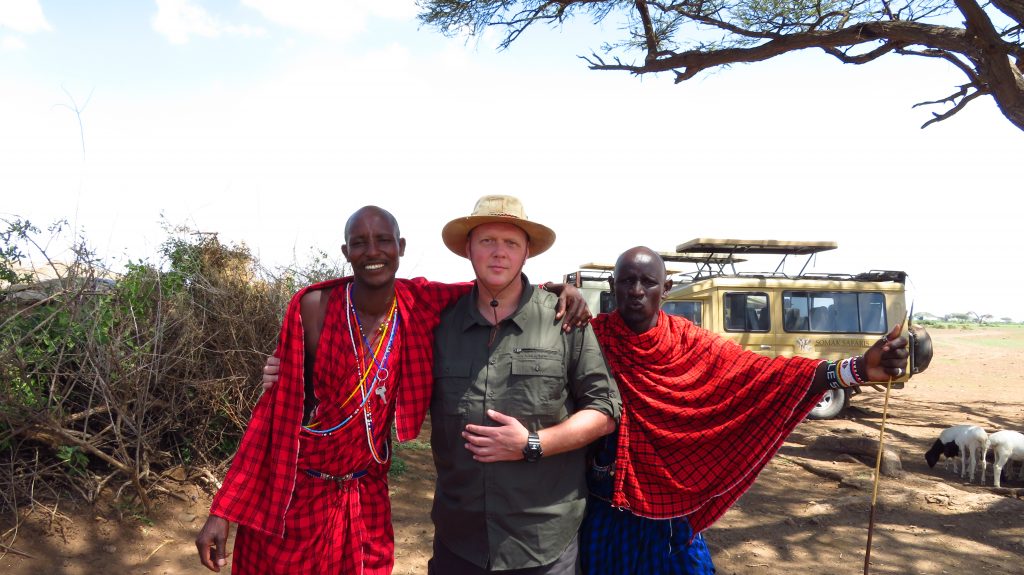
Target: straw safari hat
(501,209)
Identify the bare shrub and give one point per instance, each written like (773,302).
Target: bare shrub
(110,383)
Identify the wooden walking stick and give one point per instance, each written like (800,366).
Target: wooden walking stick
(878,462)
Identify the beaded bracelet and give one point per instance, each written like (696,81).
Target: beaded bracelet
(831,375)
(842,374)
(846,372)
(857,364)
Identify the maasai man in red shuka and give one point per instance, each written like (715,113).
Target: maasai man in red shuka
(308,486)
(700,418)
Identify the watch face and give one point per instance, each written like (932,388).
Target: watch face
(532,451)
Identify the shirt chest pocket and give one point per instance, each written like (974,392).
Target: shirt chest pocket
(452,381)
(538,384)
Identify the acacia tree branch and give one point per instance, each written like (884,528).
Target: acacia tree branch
(1003,79)
(905,33)
(888,10)
(522,20)
(942,42)
(1012,8)
(722,25)
(696,13)
(649,38)
(961,97)
(948,56)
(863,58)
(964,99)
(748,31)
(843,15)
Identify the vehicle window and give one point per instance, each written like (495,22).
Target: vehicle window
(599,298)
(691,310)
(872,313)
(747,311)
(833,312)
(607,302)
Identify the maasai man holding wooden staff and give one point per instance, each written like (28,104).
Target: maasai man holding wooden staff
(308,485)
(700,418)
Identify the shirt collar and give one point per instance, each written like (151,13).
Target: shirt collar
(474,317)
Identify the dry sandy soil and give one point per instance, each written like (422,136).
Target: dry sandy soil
(807,513)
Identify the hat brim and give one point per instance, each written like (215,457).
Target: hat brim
(455,233)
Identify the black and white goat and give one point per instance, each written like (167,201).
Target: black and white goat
(960,441)
(1007,446)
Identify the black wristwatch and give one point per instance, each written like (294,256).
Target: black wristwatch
(532,451)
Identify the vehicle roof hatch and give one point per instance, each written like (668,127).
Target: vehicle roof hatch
(723,252)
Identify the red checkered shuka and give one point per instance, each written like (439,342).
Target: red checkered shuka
(700,416)
(330,529)
(263,483)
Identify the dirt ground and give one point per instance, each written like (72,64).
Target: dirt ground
(793,521)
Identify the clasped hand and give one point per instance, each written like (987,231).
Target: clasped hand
(505,442)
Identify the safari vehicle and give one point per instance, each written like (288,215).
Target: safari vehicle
(822,316)
(592,281)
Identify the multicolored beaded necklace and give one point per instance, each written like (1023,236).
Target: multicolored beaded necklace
(388,329)
(382,373)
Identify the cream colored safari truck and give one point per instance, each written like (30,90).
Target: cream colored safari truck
(825,316)
(822,316)
(592,280)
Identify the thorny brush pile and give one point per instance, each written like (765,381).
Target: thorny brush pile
(116,382)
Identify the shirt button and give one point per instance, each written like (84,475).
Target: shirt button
(492,361)
(536,368)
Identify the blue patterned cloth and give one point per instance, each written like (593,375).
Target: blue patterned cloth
(616,542)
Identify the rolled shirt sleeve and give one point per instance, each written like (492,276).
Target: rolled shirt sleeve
(590,381)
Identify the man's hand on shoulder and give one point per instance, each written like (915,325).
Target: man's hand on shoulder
(572,307)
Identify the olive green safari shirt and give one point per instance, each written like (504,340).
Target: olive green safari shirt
(511,514)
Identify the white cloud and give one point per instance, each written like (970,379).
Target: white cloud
(178,20)
(11,44)
(25,16)
(330,18)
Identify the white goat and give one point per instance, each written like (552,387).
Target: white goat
(1007,446)
(960,441)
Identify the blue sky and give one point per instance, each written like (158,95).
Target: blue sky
(269,122)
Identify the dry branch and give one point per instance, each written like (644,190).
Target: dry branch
(159,371)
(8,549)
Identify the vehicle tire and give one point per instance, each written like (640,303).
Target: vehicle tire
(830,406)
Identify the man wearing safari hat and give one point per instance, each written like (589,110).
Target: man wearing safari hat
(515,400)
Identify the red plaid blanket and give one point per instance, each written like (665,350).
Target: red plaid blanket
(700,416)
